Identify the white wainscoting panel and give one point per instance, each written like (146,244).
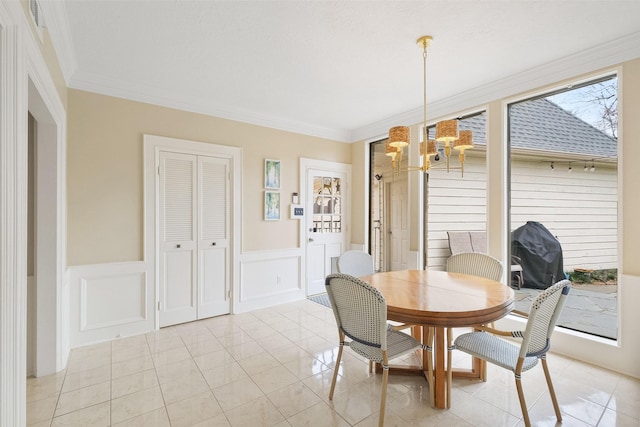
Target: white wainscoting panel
(131,292)
(110,301)
(269,278)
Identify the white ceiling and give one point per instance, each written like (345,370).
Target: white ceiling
(336,69)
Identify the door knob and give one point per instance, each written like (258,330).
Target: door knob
(213,243)
(310,239)
(178,246)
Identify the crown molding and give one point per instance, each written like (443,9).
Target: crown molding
(56,22)
(589,60)
(605,55)
(165,98)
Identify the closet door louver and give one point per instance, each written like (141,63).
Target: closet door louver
(177,220)
(179,200)
(213,242)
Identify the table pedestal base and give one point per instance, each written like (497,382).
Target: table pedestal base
(441,399)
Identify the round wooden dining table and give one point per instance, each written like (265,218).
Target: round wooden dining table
(439,300)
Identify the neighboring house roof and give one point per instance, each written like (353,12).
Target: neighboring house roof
(544,126)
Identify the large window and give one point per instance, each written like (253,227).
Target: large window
(452,202)
(563,199)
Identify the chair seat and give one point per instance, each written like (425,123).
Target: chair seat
(494,350)
(398,344)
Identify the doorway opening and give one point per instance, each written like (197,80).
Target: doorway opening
(43,246)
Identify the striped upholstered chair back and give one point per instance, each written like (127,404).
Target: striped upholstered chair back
(476,264)
(543,316)
(355,263)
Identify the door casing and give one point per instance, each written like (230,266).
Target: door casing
(153,145)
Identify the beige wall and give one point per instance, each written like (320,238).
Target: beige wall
(359,199)
(629,158)
(105,173)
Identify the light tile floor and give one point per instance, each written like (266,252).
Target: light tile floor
(273,367)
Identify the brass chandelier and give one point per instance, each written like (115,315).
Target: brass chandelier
(446,132)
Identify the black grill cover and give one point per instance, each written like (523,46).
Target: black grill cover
(541,255)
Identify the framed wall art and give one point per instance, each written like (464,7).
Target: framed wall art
(271,205)
(272,174)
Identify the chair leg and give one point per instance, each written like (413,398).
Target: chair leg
(523,404)
(383,397)
(547,375)
(335,369)
(449,365)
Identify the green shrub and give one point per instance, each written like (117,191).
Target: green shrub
(585,276)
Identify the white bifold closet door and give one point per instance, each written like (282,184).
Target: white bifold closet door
(193,231)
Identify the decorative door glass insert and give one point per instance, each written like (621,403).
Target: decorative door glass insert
(327,205)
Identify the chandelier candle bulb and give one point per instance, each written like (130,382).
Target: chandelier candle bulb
(447,131)
(390,150)
(464,142)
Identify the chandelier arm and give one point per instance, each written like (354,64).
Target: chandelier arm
(446,131)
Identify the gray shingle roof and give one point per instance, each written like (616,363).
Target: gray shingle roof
(542,125)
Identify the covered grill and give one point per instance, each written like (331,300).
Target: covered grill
(540,254)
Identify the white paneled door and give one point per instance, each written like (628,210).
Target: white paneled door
(194,237)
(326,225)
(398,231)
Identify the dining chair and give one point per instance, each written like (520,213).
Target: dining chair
(361,315)
(355,263)
(534,345)
(474,264)
(476,241)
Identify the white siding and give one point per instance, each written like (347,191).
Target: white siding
(579,208)
(455,204)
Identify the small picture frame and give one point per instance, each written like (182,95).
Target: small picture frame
(271,205)
(272,174)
